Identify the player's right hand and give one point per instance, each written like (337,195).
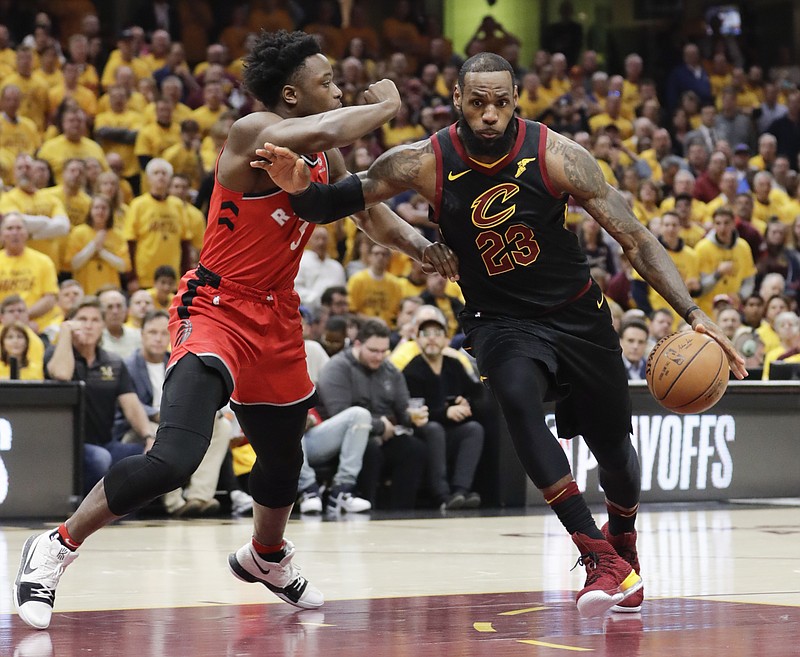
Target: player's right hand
(703,324)
(383,91)
(286,168)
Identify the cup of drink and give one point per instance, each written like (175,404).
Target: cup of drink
(415,406)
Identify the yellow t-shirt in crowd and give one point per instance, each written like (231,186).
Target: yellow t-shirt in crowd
(375,297)
(20,136)
(96,272)
(128,120)
(58,150)
(42,204)
(710,255)
(31,275)
(158,227)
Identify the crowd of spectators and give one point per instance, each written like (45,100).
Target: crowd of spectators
(107,158)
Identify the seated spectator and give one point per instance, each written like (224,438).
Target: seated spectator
(775,305)
(27,272)
(435,294)
(318,271)
(402,355)
(96,252)
(12,310)
(117,337)
(45,217)
(156,228)
(147,369)
(164,284)
(660,326)
(374,292)
(14,347)
(362,376)
(405,321)
(633,341)
(787,328)
(453,438)
(725,260)
(141,303)
(345,435)
(69,291)
(730,321)
(78,357)
(334,336)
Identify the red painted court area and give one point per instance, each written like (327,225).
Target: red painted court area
(496,625)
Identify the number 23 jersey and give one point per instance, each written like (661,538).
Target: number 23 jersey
(505,221)
(256,239)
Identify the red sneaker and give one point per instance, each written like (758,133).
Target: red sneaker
(625,545)
(609,578)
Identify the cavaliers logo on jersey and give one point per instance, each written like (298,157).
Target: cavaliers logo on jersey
(488,209)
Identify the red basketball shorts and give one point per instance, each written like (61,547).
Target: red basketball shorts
(254,338)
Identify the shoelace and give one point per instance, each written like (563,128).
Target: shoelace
(590,560)
(45,591)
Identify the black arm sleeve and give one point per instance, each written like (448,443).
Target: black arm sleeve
(324,204)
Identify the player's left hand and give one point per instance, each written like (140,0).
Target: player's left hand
(286,168)
(703,324)
(438,257)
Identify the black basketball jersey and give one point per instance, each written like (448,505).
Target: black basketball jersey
(506,223)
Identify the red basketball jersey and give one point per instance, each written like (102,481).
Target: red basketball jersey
(256,239)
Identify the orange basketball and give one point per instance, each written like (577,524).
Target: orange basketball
(687,372)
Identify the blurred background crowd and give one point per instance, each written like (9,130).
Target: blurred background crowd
(109,132)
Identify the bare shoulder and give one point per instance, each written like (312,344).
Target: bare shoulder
(234,170)
(571,168)
(244,133)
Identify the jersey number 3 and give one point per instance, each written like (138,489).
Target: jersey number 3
(502,252)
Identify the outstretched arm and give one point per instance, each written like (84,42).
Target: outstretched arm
(318,132)
(396,170)
(403,167)
(574,171)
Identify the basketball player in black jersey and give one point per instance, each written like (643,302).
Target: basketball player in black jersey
(536,322)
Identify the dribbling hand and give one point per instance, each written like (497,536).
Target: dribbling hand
(286,168)
(702,324)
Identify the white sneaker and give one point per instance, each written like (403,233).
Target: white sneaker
(241,503)
(346,502)
(44,559)
(310,502)
(282,578)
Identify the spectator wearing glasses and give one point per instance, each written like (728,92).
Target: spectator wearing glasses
(453,437)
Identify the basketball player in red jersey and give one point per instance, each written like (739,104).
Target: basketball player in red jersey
(236,327)
(536,322)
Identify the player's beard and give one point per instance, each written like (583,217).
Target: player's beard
(477,145)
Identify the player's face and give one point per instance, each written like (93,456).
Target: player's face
(315,89)
(486,107)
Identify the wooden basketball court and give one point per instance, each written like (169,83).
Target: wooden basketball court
(720,580)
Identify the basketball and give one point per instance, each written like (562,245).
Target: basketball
(687,372)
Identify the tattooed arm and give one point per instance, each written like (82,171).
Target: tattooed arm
(574,171)
(387,228)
